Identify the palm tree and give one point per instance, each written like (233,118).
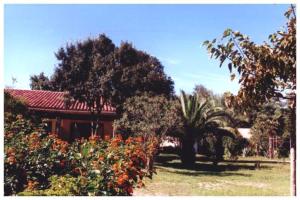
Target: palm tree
(201,117)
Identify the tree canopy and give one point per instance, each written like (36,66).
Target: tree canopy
(96,68)
(148,114)
(40,82)
(265,70)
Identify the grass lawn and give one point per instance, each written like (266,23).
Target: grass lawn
(227,178)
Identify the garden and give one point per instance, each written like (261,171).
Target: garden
(212,157)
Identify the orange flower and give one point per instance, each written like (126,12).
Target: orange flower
(31,184)
(125,177)
(120,181)
(139,139)
(127,152)
(140,184)
(11,159)
(10,150)
(115,167)
(101,158)
(129,140)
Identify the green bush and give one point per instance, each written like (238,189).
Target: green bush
(60,186)
(234,146)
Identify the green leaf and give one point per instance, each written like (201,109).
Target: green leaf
(205,43)
(226,33)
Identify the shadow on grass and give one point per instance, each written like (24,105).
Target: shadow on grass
(204,166)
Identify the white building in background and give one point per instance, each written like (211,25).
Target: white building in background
(245,132)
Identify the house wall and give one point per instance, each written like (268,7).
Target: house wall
(108,129)
(65,132)
(53,126)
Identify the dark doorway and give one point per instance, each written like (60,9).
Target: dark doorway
(79,130)
(84,129)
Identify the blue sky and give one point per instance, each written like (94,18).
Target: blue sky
(172,33)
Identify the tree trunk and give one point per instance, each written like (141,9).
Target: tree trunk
(188,155)
(219,149)
(293,149)
(293,171)
(271,146)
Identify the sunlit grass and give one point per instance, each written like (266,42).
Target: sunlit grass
(228,178)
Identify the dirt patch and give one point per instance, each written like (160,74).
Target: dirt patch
(250,184)
(224,184)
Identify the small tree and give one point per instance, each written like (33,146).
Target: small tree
(265,126)
(149,115)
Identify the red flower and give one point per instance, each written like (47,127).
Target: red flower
(129,190)
(62,163)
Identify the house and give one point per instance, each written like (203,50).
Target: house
(245,132)
(69,121)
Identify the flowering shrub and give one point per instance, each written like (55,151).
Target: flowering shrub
(41,164)
(30,158)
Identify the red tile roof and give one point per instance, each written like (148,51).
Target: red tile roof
(43,100)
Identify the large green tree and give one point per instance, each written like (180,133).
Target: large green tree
(266,71)
(84,72)
(95,67)
(136,72)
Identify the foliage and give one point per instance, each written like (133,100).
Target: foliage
(203,92)
(29,156)
(234,146)
(201,117)
(38,163)
(60,186)
(96,68)
(267,70)
(149,114)
(40,82)
(84,71)
(135,73)
(216,146)
(14,106)
(270,121)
